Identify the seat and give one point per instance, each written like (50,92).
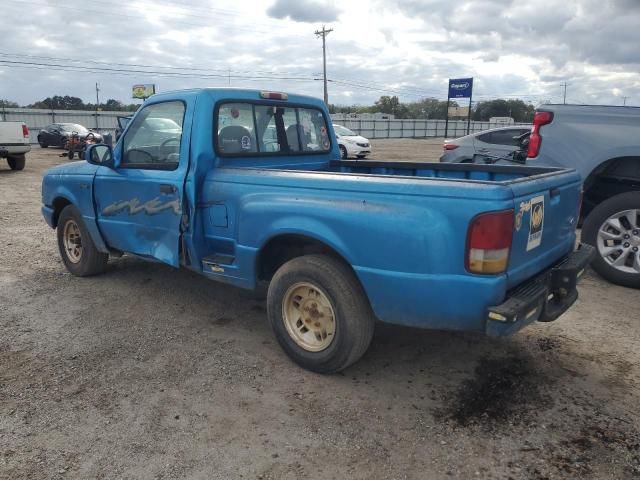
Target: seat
(235,139)
(293,137)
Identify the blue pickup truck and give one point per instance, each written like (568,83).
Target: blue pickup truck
(247,186)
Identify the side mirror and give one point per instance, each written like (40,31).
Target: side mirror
(99,154)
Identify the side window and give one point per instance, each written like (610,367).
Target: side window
(485,137)
(153,140)
(504,137)
(246,129)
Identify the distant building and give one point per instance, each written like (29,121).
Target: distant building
(502,120)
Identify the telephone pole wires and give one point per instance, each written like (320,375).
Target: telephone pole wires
(323,33)
(564,95)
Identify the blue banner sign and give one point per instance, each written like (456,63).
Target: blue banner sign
(460,87)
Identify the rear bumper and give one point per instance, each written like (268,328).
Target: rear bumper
(542,298)
(6,150)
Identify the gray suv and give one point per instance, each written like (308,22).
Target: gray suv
(497,142)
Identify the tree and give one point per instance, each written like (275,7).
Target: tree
(58,102)
(8,104)
(516,109)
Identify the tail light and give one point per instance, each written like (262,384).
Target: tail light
(25,131)
(450,146)
(489,242)
(535,140)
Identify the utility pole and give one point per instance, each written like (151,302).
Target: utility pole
(97,102)
(624,101)
(323,33)
(564,96)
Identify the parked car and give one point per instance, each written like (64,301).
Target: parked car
(14,143)
(350,143)
(57,134)
(603,144)
(497,141)
(485,248)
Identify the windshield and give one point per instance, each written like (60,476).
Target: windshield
(74,127)
(343,131)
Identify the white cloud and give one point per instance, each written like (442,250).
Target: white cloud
(404,47)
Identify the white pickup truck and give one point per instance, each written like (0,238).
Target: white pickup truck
(14,143)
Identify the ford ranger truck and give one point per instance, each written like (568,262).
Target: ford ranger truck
(244,186)
(603,144)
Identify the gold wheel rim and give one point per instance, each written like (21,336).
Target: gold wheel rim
(309,316)
(72,241)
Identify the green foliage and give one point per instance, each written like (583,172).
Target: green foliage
(516,109)
(8,104)
(58,102)
(425,108)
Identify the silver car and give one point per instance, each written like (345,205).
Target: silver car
(497,141)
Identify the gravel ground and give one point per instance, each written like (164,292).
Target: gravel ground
(151,372)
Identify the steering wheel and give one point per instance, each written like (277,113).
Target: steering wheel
(163,145)
(151,159)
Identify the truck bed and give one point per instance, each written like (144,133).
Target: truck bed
(503,174)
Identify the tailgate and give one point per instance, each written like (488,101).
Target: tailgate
(545,218)
(11,133)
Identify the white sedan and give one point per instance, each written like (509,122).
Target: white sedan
(351,144)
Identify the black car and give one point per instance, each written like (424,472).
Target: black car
(56,134)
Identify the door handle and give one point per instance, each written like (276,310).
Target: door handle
(166,188)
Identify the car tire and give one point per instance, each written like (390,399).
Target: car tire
(343,153)
(16,162)
(42,143)
(602,235)
(79,253)
(331,302)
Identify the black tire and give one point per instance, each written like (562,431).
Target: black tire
(16,162)
(343,152)
(42,143)
(90,261)
(354,320)
(70,154)
(360,156)
(591,226)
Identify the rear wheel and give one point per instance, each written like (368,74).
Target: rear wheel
(343,152)
(613,227)
(78,252)
(16,162)
(319,313)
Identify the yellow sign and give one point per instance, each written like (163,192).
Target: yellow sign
(143,91)
(536,216)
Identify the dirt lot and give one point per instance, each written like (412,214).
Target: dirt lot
(150,372)
(407,149)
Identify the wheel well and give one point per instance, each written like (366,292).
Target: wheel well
(283,248)
(610,178)
(58,204)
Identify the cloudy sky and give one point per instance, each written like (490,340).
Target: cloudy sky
(513,48)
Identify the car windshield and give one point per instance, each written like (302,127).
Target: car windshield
(343,131)
(74,127)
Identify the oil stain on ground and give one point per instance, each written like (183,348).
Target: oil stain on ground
(502,389)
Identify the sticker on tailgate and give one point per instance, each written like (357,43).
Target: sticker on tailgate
(536,222)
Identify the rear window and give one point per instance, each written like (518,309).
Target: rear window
(255,129)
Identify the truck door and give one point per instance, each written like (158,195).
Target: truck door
(139,203)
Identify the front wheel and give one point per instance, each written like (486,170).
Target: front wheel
(16,162)
(319,313)
(343,152)
(613,227)
(42,143)
(78,252)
